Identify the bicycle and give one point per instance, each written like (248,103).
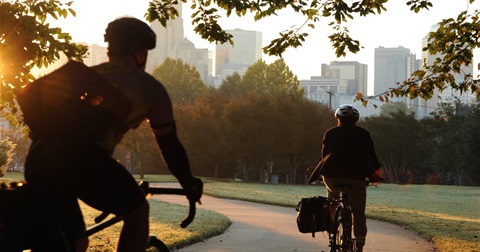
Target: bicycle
(14,237)
(341,227)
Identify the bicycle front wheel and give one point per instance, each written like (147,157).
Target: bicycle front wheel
(156,245)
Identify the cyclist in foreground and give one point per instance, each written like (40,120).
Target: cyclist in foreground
(349,158)
(86,170)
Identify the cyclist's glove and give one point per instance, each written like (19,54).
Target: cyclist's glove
(194,189)
(376,177)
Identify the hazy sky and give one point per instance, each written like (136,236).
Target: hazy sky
(398,26)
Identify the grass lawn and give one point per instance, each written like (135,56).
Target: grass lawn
(165,223)
(446,215)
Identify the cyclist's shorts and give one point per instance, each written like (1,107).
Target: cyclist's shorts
(89,172)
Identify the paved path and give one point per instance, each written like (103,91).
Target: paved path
(264,228)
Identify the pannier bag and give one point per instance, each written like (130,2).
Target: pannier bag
(313,215)
(72,102)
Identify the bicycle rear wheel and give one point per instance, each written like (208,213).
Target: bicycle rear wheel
(347,242)
(336,235)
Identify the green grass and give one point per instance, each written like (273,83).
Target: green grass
(165,223)
(11,177)
(447,215)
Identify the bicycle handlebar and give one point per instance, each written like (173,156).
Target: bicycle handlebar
(177,191)
(162,190)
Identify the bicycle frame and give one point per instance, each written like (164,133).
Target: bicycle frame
(340,236)
(100,220)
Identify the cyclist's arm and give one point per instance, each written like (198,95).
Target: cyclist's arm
(162,122)
(173,152)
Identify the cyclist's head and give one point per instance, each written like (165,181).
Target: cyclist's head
(347,114)
(129,35)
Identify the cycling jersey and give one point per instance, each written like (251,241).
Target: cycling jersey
(149,100)
(351,153)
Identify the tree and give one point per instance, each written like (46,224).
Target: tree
(455,40)
(181,80)
(6,154)
(21,143)
(27,40)
(199,128)
(456,143)
(270,79)
(396,152)
(251,130)
(393,107)
(229,86)
(139,152)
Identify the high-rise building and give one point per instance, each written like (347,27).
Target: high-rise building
(201,59)
(96,55)
(392,66)
(167,38)
(354,72)
(171,43)
(247,49)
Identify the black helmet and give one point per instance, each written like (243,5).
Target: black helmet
(128,33)
(347,113)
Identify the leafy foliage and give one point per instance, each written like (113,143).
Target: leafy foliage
(27,40)
(182,81)
(452,44)
(454,41)
(21,144)
(435,150)
(6,154)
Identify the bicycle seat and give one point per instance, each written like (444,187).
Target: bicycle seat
(343,187)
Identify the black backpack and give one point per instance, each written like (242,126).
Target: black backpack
(313,215)
(72,103)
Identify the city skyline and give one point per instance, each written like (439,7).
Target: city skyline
(396,27)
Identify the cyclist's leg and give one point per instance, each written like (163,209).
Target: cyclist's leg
(105,184)
(331,193)
(54,200)
(357,198)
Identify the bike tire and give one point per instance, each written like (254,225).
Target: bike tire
(156,245)
(335,236)
(347,242)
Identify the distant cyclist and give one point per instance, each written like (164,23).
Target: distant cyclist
(86,169)
(349,158)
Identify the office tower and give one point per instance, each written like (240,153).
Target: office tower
(198,58)
(168,39)
(171,43)
(96,55)
(354,72)
(392,66)
(247,49)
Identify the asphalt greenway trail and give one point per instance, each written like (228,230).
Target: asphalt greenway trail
(263,228)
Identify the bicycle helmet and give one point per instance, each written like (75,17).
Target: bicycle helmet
(347,113)
(130,34)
